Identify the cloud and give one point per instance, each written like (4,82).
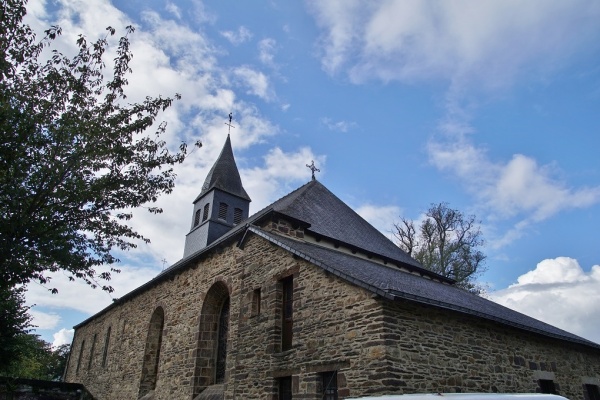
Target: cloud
(281,172)
(173,9)
(266,51)
(43,320)
(559,292)
(64,336)
(381,217)
(518,189)
(242,35)
(339,126)
(461,42)
(79,296)
(256,82)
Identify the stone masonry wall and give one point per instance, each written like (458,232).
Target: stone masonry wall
(336,327)
(431,350)
(181,297)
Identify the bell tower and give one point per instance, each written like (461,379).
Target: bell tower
(222,203)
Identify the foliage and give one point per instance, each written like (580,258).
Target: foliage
(446,242)
(36,359)
(14,322)
(73,155)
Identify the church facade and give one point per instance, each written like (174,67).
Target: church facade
(306,300)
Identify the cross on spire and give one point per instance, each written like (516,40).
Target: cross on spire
(229,123)
(313,169)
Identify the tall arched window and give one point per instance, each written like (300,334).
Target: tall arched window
(221,361)
(211,353)
(152,352)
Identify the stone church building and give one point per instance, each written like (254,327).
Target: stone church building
(307,300)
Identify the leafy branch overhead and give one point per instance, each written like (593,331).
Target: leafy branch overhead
(74,154)
(446,242)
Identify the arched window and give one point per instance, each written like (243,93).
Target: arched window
(211,353)
(221,361)
(152,352)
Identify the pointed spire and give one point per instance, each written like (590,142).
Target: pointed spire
(224,175)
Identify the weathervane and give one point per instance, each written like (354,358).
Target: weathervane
(313,169)
(229,123)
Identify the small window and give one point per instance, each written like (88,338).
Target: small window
(256,302)
(237,216)
(80,356)
(223,211)
(285,388)
(329,386)
(105,352)
(205,212)
(592,392)
(197,218)
(287,313)
(92,352)
(547,386)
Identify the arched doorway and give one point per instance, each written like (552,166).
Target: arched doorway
(152,352)
(213,329)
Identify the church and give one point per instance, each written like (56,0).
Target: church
(306,300)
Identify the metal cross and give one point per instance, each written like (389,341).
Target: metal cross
(229,124)
(164,261)
(313,169)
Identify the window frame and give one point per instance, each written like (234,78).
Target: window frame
(287,312)
(329,385)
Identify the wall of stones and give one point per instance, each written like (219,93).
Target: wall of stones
(181,298)
(336,327)
(431,350)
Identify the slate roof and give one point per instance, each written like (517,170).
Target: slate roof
(394,284)
(224,175)
(330,217)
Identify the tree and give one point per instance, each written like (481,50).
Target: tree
(14,322)
(36,359)
(73,155)
(446,242)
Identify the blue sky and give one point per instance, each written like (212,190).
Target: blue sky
(493,107)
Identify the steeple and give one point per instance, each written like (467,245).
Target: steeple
(224,175)
(222,203)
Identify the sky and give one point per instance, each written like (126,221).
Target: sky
(492,107)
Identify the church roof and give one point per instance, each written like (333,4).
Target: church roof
(394,284)
(224,175)
(326,215)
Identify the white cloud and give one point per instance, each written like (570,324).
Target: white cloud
(64,336)
(339,126)
(466,42)
(173,9)
(517,189)
(266,51)
(381,217)
(43,320)
(281,173)
(257,82)
(242,35)
(79,296)
(559,292)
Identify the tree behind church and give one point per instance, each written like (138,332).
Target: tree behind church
(446,242)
